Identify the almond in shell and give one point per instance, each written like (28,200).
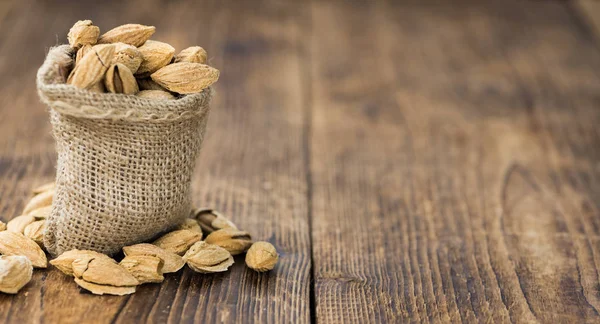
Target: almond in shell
(155,55)
(186,77)
(208,258)
(145,268)
(232,240)
(19,223)
(178,241)
(12,243)
(64,262)
(15,273)
(120,79)
(132,34)
(128,55)
(35,231)
(83,33)
(194,54)
(172,261)
(92,67)
(104,289)
(103,272)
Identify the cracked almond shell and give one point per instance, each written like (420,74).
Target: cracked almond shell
(208,258)
(172,261)
(97,289)
(64,262)
(178,241)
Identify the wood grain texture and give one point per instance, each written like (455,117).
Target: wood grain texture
(415,161)
(252,165)
(454,163)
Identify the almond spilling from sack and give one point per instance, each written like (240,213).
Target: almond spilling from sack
(143,263)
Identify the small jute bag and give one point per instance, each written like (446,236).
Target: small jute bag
(124,163)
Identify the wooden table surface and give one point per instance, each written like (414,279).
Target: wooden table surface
(411,161)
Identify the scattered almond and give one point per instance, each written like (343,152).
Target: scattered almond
(185,77)
(41,200)
(132,34)
(194,54)
(64,262)
(103,272)
(119,79)
(211,220)
(12,243)
(104,289)
(232,240)
(19,223)
(15,273)
(35,231)
(155,55)
(172,261)
(145,268)
(261,256)
(207,258)
(83,33)
(178,241)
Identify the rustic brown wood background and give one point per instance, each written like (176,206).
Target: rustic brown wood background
(412,161)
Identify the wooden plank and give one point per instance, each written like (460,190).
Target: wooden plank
(252,166)
(454,162)
(589,10)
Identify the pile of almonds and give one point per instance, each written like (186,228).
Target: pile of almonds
(22,249)
(125,60)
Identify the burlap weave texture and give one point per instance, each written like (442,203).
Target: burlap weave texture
(124,163)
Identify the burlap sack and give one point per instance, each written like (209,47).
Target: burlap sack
(124,163)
